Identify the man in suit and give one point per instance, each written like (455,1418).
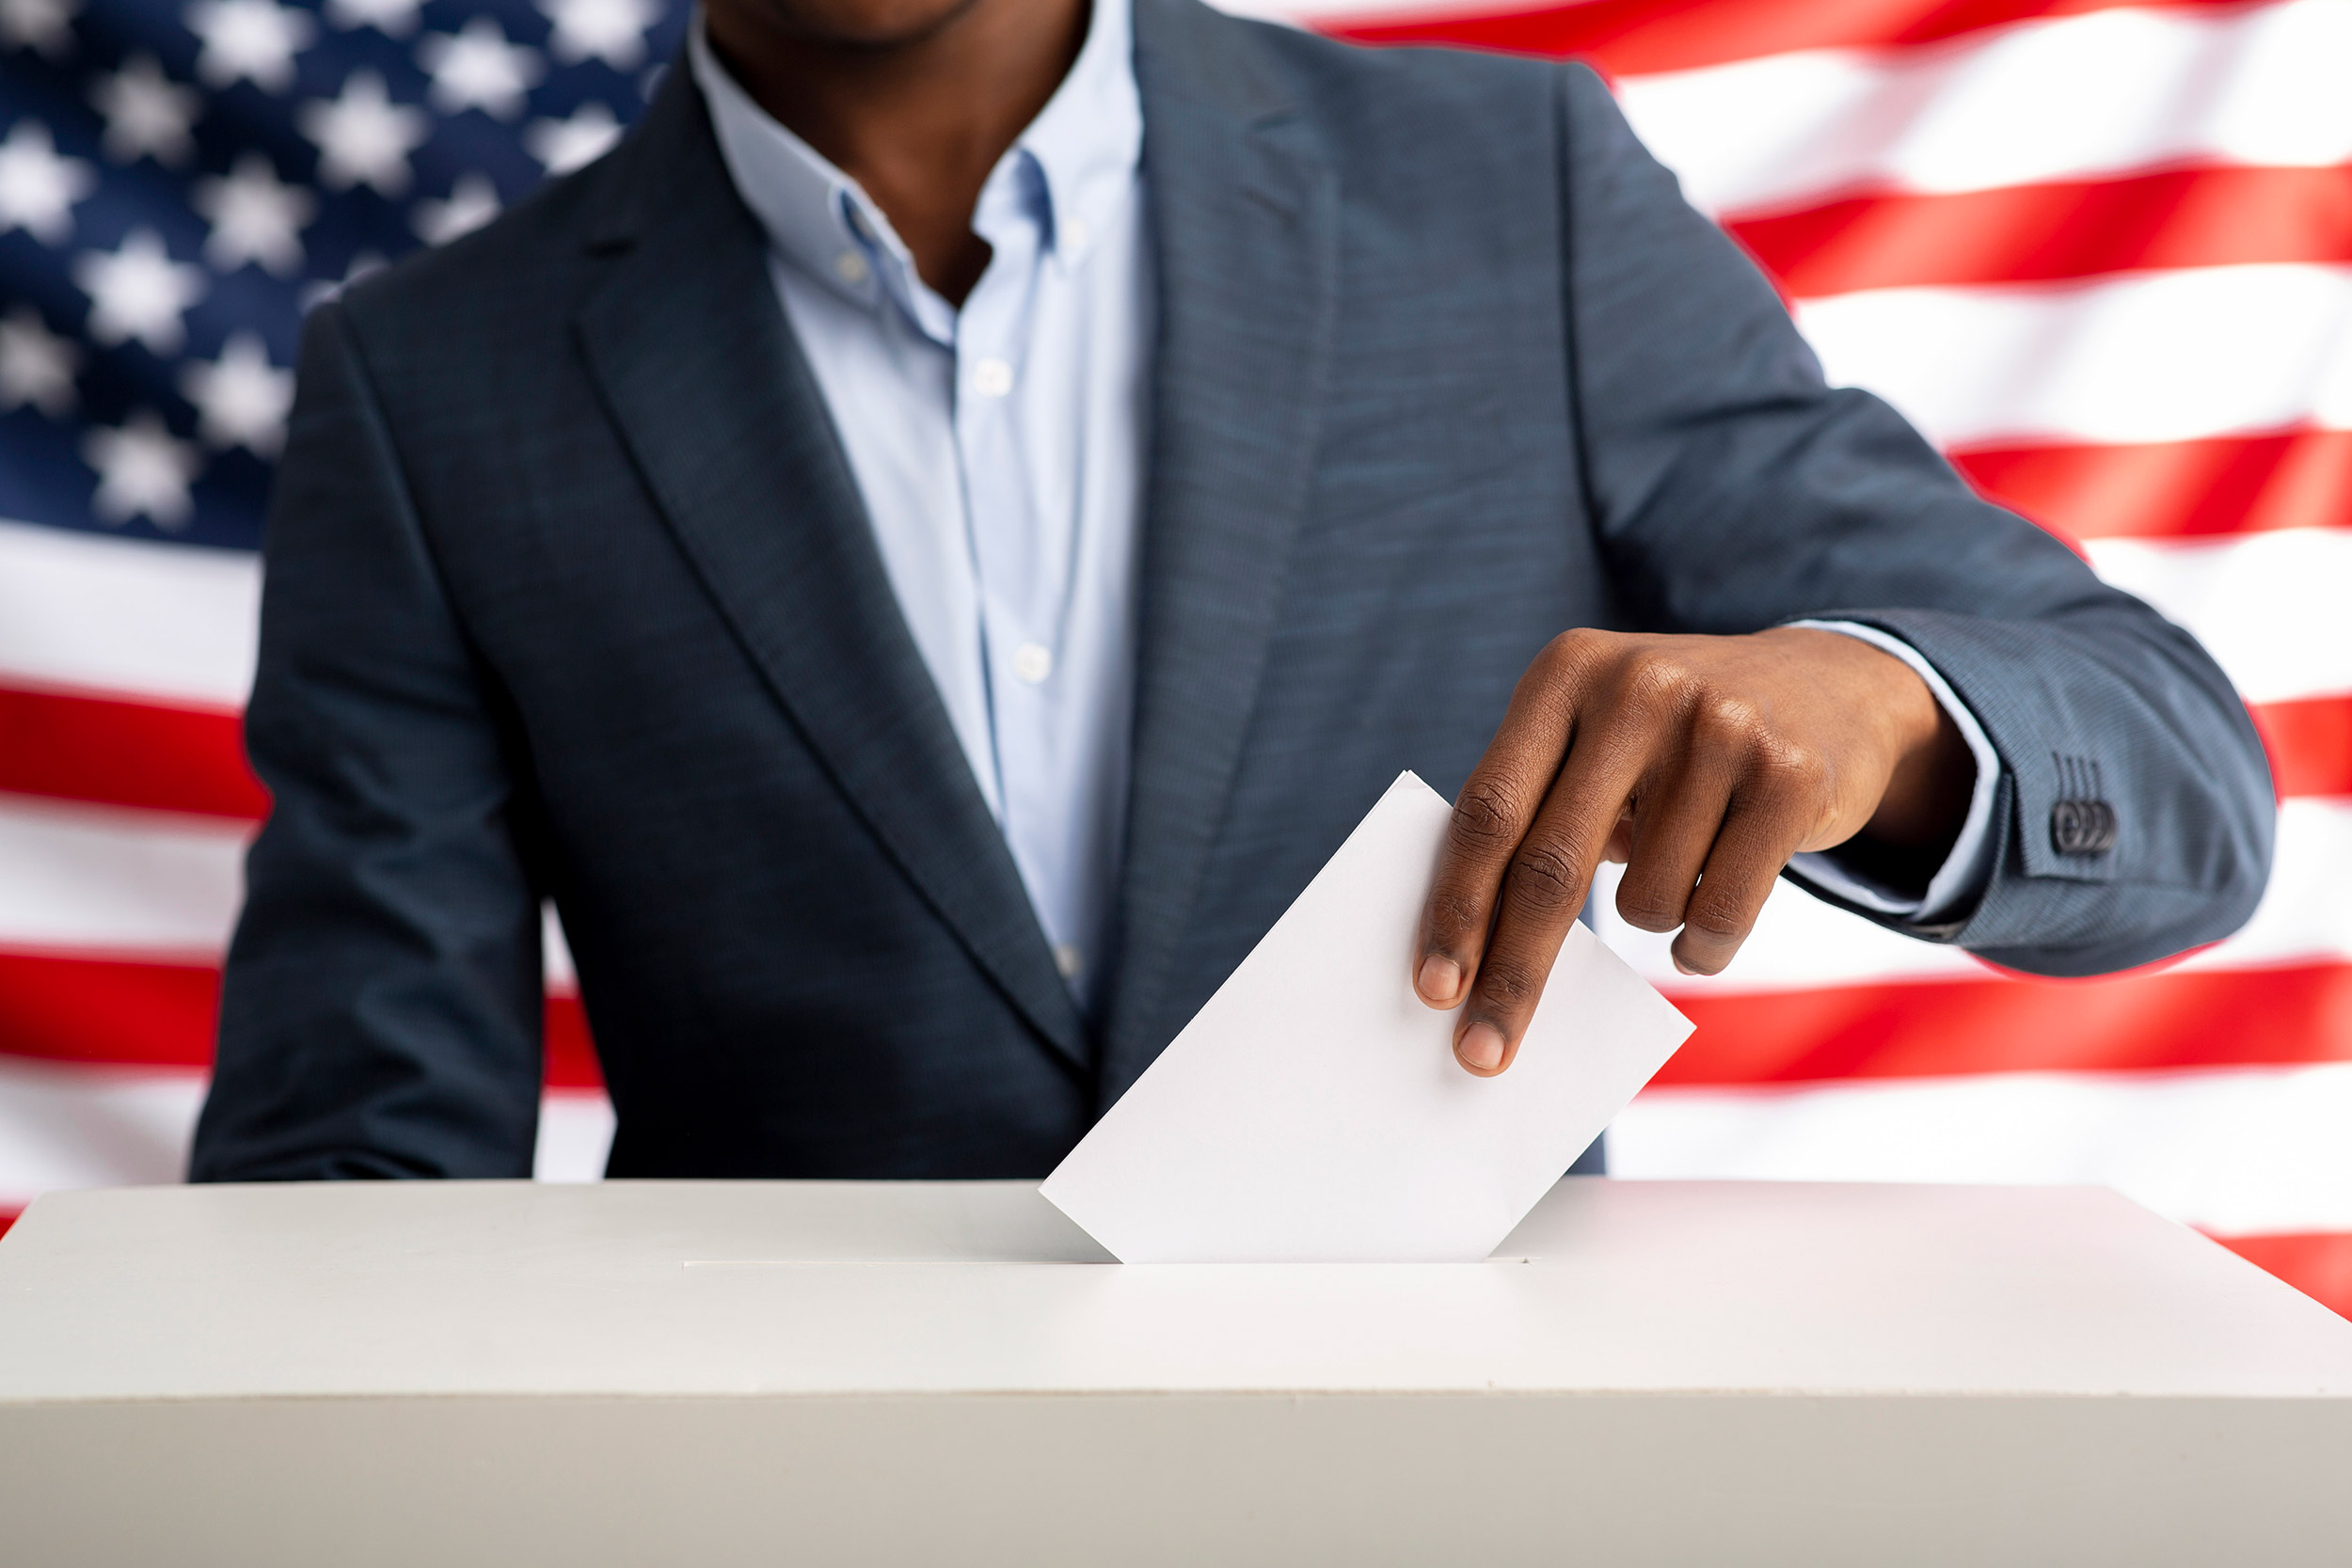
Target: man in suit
(923,551)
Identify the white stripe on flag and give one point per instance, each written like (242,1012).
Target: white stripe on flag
(64,1126)
(2237,1151)
(69,1125)
(2152,357)
(2275,609)
(134,884)
(1799,942)
(118,883)
(130,884)
(172,622)
(2072,98)
(555,954)
(575,1135)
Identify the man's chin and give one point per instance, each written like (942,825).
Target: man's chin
(874,25)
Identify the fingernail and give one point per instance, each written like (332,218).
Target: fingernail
(1441,977)
(1482,1048)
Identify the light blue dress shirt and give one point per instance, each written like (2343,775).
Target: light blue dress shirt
(1000,448)
(1001,453)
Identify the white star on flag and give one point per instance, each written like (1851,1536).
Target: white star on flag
(564,145)
(37,188)
(43,27)
(256,217)
(37,365)
(147,114)
(476,68)
(394,19)
(363,138)
(472,203)
(248,39)
(613,31)
(139,292)
(142,470)
(240,397)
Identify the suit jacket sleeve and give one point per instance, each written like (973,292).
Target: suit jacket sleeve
(380,1015)
(1735,490)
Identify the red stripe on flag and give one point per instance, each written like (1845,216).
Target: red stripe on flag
(1631,37)
(116,1012)
(121,754)
(2208,217)
(97,759)
(2310,742)
(110,1011)
(2318,1263)
(571,1062)
(2173,489)
(1941,1028)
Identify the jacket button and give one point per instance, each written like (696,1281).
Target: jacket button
(2082,826)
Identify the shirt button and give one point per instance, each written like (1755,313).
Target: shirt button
(1032,662)
(992,378)
(1074,233)
(850,267)
(1068,959)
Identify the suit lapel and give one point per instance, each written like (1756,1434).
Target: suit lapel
(699,370)
(1245,217)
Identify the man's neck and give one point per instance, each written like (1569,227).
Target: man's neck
(919,123)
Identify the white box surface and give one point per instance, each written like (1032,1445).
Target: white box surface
(1648,1372)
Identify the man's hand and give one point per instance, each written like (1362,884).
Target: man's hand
(1702,763)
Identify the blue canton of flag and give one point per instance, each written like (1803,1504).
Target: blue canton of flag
(178,181)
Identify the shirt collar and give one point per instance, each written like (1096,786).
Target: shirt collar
(1085,147)
(1088,141)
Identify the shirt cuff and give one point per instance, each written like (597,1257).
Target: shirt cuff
(1969,865)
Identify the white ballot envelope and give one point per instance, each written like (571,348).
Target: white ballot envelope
(1314,1112)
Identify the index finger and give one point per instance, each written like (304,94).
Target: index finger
(1493,814)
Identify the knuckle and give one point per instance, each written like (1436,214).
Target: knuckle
(1508,985)
(1567,667)
(1793,772)
(1577,647)
(1486,817)
(1544,879)
(1729,720)
(1657,681)
(1453,912)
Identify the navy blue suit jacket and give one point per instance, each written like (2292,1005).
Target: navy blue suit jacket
(570,595)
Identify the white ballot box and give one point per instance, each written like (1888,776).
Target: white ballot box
(944,1374)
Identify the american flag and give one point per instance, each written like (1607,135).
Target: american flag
(180,180)
(2101,253)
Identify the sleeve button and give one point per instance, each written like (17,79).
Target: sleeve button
(2082,826)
